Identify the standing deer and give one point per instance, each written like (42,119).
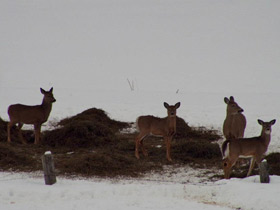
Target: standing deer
(235,122)
(150,125)
(254,148)
(36,115)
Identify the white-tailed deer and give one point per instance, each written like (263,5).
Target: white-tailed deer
(235,122)
(254,148)
(36,115)
(150,125)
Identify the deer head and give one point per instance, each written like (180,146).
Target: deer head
(171,110)
(232,107)
(48,96)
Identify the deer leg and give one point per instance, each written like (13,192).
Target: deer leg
(20,133)
(10,125)
(138,144)
(252,164)
(37,129)
(144,151)
(168,147)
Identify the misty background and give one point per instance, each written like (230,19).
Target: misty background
(87,50)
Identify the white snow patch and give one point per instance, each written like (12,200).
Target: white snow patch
(48,153)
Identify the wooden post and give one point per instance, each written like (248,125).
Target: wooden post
(48,167)
(263,170)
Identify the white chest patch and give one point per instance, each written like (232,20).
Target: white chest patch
(267,132)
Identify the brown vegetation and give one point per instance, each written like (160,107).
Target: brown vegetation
(92,144)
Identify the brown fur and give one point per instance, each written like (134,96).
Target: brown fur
(254,147)
(150,125)
(235,122)
(36,115)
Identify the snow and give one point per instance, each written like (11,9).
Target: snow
(87,50)
(27,191)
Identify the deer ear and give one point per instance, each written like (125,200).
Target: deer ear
(260,122)
(42,91)
(177,105)
(231,98)
(226,100)
(51,90)
(272,122)
(166,105)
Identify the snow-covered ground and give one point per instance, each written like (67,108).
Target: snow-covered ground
(87,49)
(28,192)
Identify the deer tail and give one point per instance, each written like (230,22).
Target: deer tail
(225,148)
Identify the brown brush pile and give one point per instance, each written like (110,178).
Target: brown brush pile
(185,131)
(273,160)
(90,128)
(18,158)
(27,134)
(3,130)
(92,144)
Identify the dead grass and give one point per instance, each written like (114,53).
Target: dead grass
(91,128)
(273,160)
(14,157)
(27,134)
(185,131)
(91,144)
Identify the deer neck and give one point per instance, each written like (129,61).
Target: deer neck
(47,107)
(171,121)
(232,115)
(265,138)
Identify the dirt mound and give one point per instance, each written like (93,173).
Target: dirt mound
(273,160)
(3,130)
(90,144)
(97,116)
(185,131)
(195,149)
(106,162)
(90,128)
(17,158)
(27,134)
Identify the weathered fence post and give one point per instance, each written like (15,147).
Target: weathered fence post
(264,175)
(48,167)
